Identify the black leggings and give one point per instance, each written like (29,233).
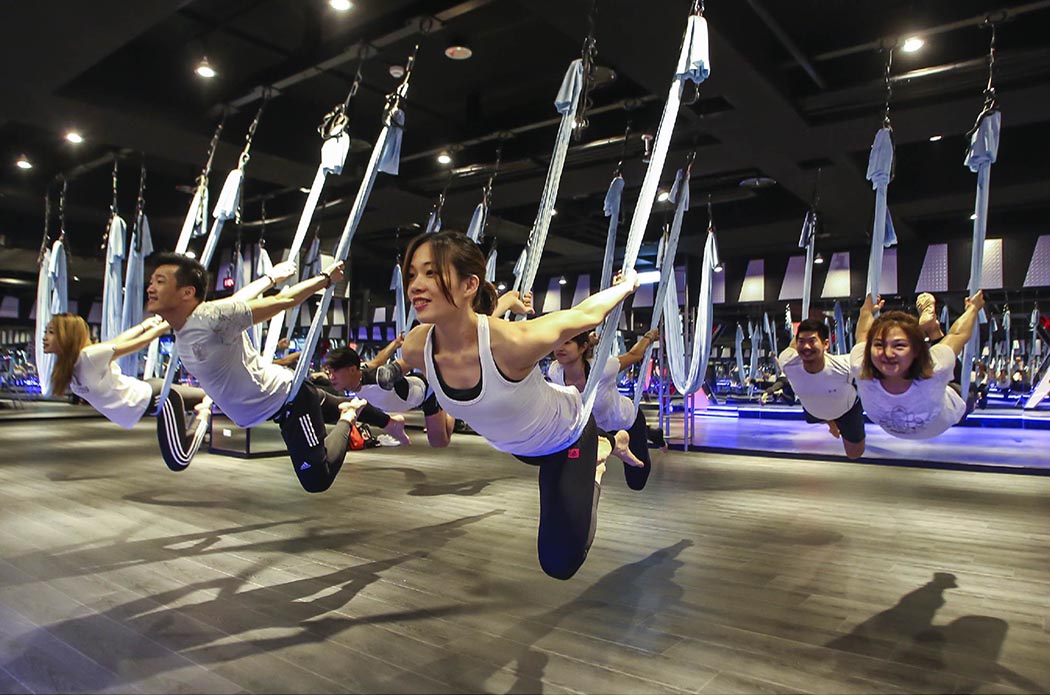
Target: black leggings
(639,446)
(178,446)
(568,503)
(316,455)
(368,414)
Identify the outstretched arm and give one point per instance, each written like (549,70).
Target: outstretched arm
(962,329)
(384,355)
(637,351)
(532,340)
(278,274)
(265,308)
(513,302)
(867,317)
(134,339)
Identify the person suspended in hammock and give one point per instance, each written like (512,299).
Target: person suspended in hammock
(90,371)
(612,411)
(484,370)
(211,341)
(905,383)
(824,384)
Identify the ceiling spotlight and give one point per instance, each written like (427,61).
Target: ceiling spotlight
(554,211)
(935,138)
(818,259)
(912,44)
(458,52)
(191,254)
(502,286)
(562,280)
(663,196)
(340,5)
(74,137)
(719,268)
(23,163)
(204,69)
(444,157)
(397,71)
(973,216)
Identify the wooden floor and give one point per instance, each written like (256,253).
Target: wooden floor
(417,572)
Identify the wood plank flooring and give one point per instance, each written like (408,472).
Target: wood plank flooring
(417,573)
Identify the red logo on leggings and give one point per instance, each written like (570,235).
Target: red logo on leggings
(574,453)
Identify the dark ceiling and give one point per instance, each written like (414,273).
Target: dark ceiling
(794,87)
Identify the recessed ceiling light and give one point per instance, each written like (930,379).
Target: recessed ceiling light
(935,138)
(562,280)
(818,259)
(23,163)
(973,216)
(444,157)
(458,52)
(663,196)
(204,69)
(912,44)
(397,71)
(74,137)
(502,286)
(191,254)
(340,5)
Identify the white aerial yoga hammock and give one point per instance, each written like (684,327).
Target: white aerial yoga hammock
(140,246)
(45,363)
(807,241)
(983,150)
(334,149)
(226,208)
(840,330)
(113,279)
(738,343)
(385,157)
(694,65)
(880,173)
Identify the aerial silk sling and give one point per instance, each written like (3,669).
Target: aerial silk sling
(385,158)
(693,65)
(771,335)
(45,363)
(754,334)
(807,241)
(140,246)
(984,147)
(880,173)
(335,146)
(738,344)
(840,330)
(113,280)
(480,219)
(55,288)
(194,225)
(227,207)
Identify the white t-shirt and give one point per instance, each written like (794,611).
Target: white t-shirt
(214,347)
(925,410)
(829,393)
(612,411)
(98,380)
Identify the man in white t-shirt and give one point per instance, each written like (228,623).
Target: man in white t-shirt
(214,347)
(824,385)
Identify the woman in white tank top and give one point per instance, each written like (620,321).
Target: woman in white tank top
(613,411)
(484,371)
(91,372)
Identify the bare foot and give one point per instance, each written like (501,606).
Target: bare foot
(623,452)
(834,428)
(396,429)
(928,321)
(203,409)
(604,449)
(348,410)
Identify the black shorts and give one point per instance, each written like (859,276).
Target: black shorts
(850,423)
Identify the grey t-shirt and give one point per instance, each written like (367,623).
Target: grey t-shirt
(214,347)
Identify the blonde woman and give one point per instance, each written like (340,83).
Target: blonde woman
(90,371)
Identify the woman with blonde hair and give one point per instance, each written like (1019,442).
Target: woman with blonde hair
(90,371)
(904,382)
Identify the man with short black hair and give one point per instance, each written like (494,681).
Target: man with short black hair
(212,342)
(824,385)
(344,368)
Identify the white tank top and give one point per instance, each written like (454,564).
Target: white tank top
(612,410)
(531,417)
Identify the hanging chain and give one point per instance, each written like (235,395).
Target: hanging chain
(991,100)
(335,121)
(623,149)
(116,167)
(140,204)
(246,152)
(62,211)
(710,215)
(262,223)
(47,223)
(589,57)
(492,177)
(698,8)
(394,99)
(889,88)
